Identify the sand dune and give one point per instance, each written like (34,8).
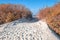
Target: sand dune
(22,30)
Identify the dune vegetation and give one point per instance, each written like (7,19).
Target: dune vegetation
(52,16)
(11,12)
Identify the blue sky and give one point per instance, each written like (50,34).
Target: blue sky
(33,5)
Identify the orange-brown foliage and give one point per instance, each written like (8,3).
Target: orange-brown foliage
(11,12)
(52,17)
(43,13)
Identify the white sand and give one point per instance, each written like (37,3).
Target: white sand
(26,31)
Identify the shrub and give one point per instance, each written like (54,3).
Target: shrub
(52,17)
(11,12)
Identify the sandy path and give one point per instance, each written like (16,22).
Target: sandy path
(26,31)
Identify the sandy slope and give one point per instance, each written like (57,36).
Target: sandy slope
(19,30)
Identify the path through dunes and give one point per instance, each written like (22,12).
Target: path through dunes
(18,30)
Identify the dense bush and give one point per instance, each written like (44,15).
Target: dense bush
(11,12)
(52,17)
(43,13)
